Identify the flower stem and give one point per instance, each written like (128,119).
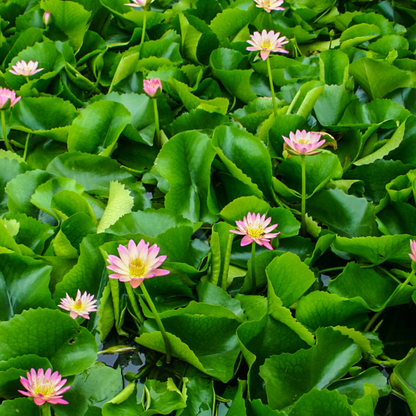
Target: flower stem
(143,31)
(272,87)
(158,321)
(158,139)
(6,140)
(26,146)
(253,268)
(303,163)
(402,286)
(134,304)
(45,409)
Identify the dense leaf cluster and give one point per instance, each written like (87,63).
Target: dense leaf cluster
(88,175)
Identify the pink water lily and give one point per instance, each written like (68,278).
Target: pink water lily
(303,142)
(139,3)
(152,87)
(44,386)
(136,263)
(25,69)
(413,249)
(7,98)
(81,306)
(255,228)
(267,42)
(269,5)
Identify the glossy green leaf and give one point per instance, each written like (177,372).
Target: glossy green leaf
(378,78)
(94,387)
(322,309)
(296,374)
(188,186)
(334,66)
(405,374)
(200,401)
(93,172)
(357,34)
(345,214)
(74,348)
(281,272)
(248,154)
(20,405)
(98,127)
(71,18)
(202,335)
(25,284)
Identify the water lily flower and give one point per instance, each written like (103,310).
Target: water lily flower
(267,42)
(413,249)
(303,142)
(152,87)
(46,17)
(25,69)
(7,98)
(269,5)
(44,386)
(81,306)
(255,228)
(136,263)
(139,3)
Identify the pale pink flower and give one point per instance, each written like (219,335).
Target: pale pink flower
(44,386)
(25,69)
(303,142)
(81,306)
(269,5)
(46,17)
(139,3)
(267,42)
(255,228)
(413,248)
(136,263)
(7,98)
(152,87)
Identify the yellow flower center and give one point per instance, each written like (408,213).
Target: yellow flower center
(255,231)
(303,141)
(78,306)
(44,387)
(137,268)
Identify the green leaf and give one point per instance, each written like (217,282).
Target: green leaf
(98,127)
(47,116)
(150,223)
(243,150)
(383,151)
(71,18)
(224,63)
(378,78)
(405,373)
(87,274)
(345,214)
(94,387)
(93,172)
(320,169)
(280,273)
(322,402)
(331,104)
(24,284)
(298,373)
(20,190)
(120,202)
(240,207)
(42,198)
(357,34)
(202,335)
(322,309)
(73,350)
(188,186)
(20,405)
(376,250)
(374,289)
(334,67)
(200,400)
